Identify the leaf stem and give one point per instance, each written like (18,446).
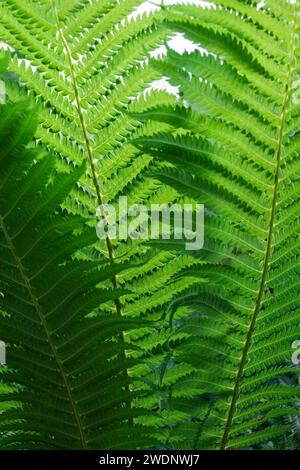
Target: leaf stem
(260,294)
(89,149)
(38,308)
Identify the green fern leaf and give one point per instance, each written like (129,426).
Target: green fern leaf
(235,147)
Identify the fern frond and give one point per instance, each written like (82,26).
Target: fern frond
(66,385)
(234,147)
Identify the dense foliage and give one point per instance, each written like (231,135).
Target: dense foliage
(134,344)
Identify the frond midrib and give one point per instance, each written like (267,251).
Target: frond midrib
(110,250)
(39,311)
(265,268)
